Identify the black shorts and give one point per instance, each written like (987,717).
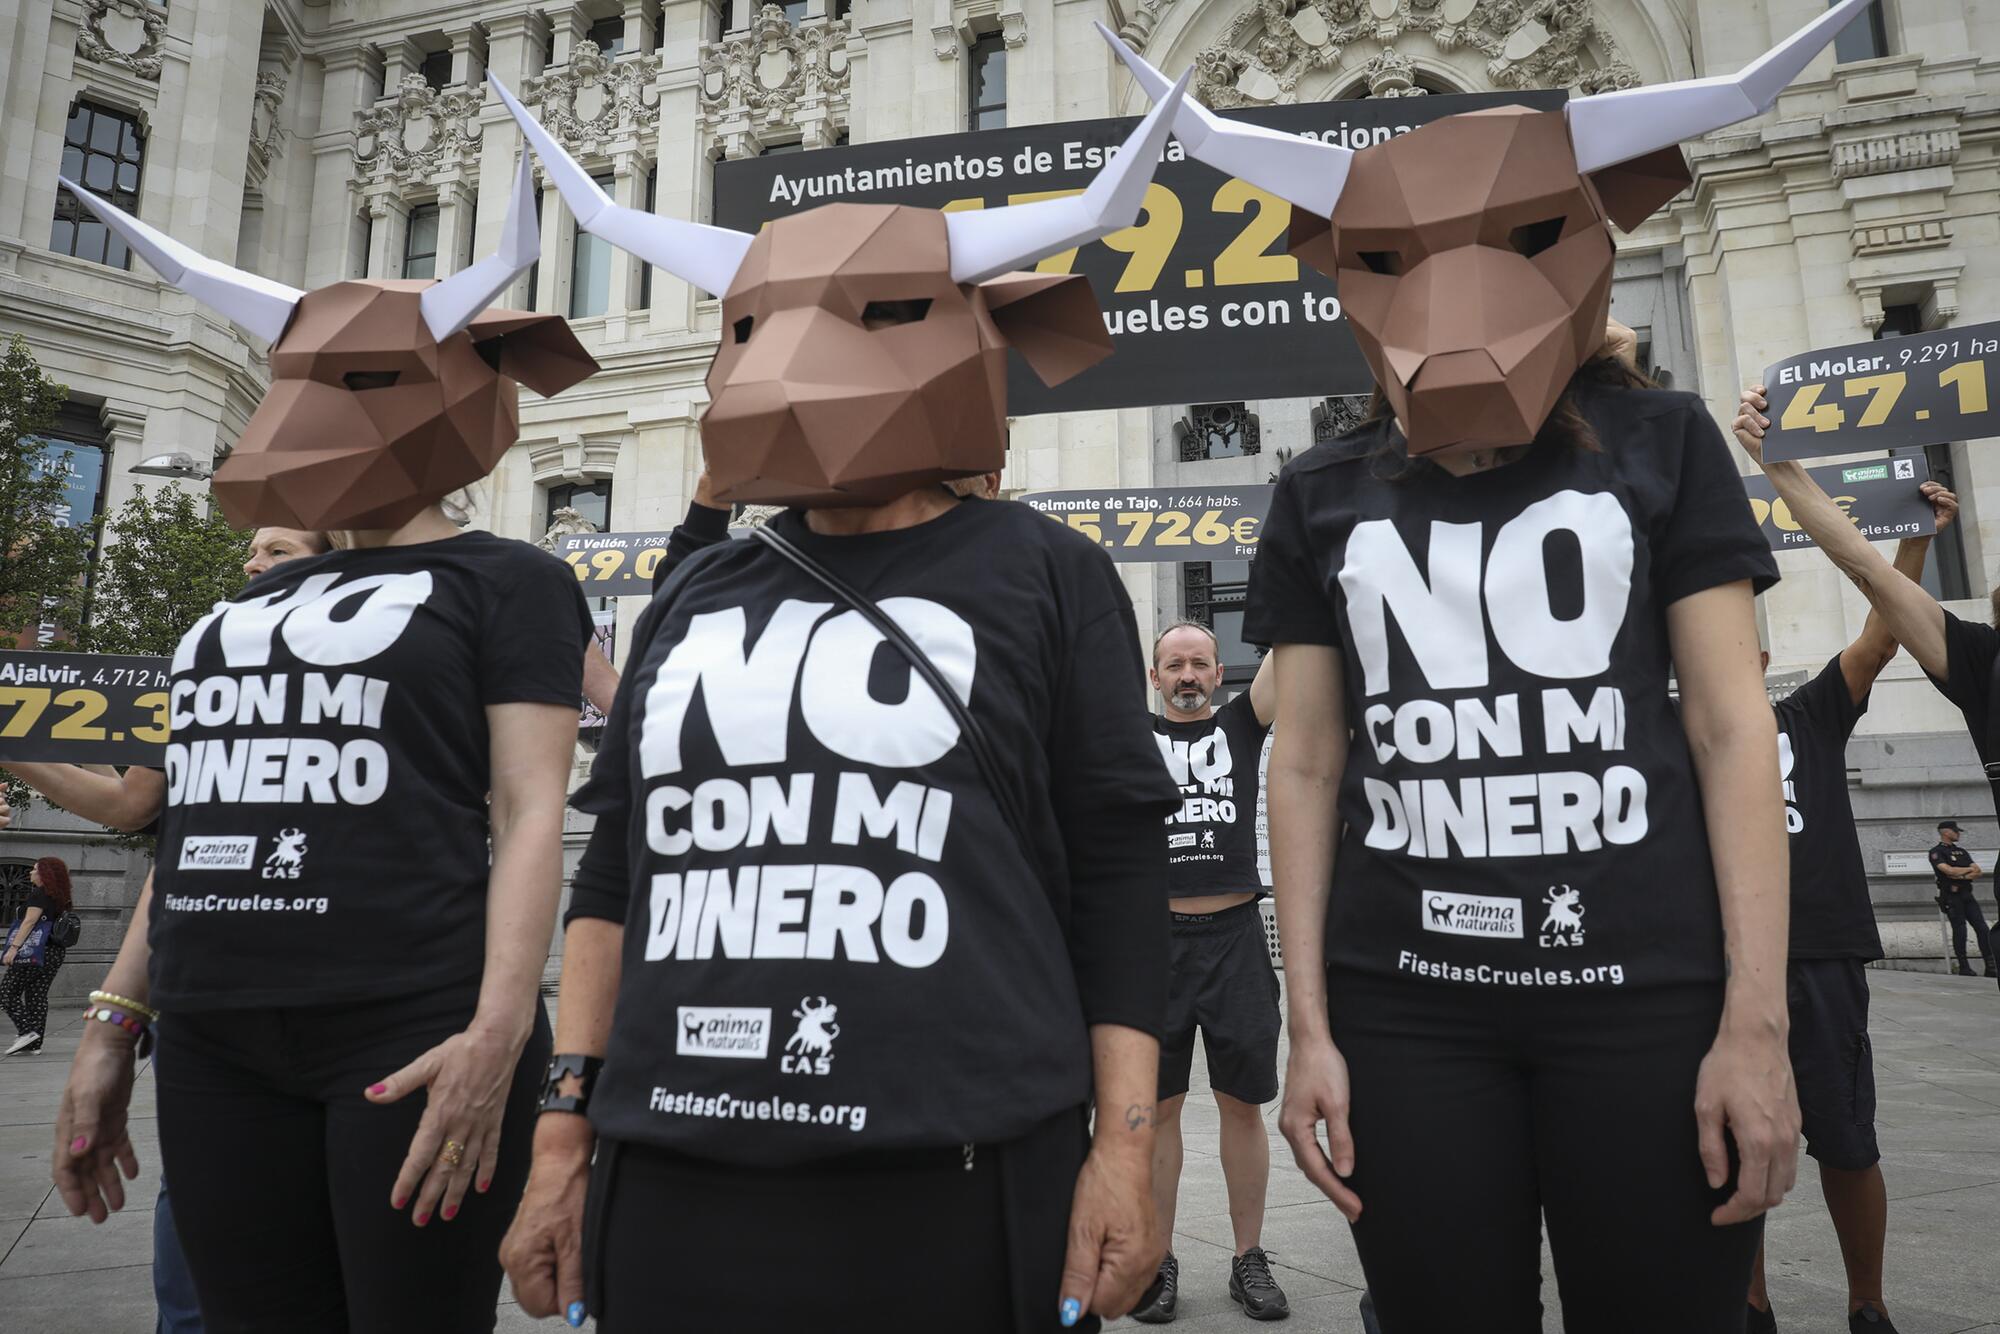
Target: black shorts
(1832,1061)
(1223,983)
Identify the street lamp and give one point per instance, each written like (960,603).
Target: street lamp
(178,464)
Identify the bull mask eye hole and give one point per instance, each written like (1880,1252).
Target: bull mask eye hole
(1383,261)
(743,327)
(1533,238)
(884,314)
(359,380)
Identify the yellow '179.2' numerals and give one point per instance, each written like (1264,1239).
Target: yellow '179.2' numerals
(1805,411)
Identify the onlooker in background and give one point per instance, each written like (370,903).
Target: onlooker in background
(1956,872)
(33,956)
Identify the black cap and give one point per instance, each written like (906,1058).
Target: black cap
(1951,825)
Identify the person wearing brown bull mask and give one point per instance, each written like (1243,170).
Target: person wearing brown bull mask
(359,855)
(866,921)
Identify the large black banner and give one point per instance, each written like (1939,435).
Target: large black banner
(1201,298)
(1922,389)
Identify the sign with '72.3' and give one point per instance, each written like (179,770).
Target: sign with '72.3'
(1924,389)
(82,708)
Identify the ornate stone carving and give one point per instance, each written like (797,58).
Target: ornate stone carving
(775,74)
(1392,74)
(1271,44)
(594,99)
(418,132)
(266,134)
(126,33)
(565,522)
(1882,154)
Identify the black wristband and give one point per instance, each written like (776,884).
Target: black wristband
(562,1066)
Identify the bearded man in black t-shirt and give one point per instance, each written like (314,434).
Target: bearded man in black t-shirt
(1222,980)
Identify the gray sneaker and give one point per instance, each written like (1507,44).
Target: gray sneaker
(1252,1287)
(1162,1309)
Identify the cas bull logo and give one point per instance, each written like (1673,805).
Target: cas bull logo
(1563,925)
(288,858)
(809,1050)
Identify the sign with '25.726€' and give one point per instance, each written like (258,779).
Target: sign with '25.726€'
(1923,389)
(82,708)
(1163,524)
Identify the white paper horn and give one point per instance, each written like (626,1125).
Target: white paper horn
(706,256)
(988,242)
(450,305)
(258,304)
(1304,172)
(1619,126)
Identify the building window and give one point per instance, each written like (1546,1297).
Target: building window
(776,150)
(535,269)
(987,90)
(436,69)
(1945,575)
(1217,431)
(590,270)
(592,500)
(608,35)
(1214,593)
(420,243)
(15,888)
(1866,38)
(646,270)
(103,152)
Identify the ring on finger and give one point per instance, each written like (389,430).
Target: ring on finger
(452,1154)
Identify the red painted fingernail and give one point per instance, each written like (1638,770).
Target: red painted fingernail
(79,1144)
(484,1186)
(378,1089)
(422,1219)
(399,1201)
(450,1212)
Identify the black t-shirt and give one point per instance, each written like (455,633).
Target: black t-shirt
(325,830)
(1519,804)
(1971,653)
(1212,835)
(1832,917)
(833,942)
(1950,854)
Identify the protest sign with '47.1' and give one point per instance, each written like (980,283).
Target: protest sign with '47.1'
(1924,389)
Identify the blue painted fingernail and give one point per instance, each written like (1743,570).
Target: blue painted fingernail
(575,1315)
(1072,1309)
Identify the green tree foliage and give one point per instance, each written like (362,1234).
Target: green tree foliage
(42,561)
(42,558)
(167,561)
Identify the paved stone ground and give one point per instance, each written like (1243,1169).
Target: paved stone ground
(1937,1046)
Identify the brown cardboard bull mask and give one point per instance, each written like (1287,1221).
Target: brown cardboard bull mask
(1474,254)
(864,346)
(386,396)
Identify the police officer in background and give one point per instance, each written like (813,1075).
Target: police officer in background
(1222,979)
(1956,873)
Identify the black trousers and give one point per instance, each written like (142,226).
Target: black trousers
(24,991)
(1479,1113)
(1962,908)
(890,1241)
(282,1169)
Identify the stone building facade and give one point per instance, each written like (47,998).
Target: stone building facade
(314,140)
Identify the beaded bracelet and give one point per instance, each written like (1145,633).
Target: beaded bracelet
(139,1028)
(146,1012)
